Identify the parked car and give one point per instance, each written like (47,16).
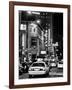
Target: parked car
(20,69)
(53,64)
(38,68)
(23,68)
(60,64)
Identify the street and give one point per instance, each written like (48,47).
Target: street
(54,72)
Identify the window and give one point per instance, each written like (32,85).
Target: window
(33,41)
(34,29)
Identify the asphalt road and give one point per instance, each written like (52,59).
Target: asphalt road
(54,72)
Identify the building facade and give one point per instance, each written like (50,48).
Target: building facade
(35,37)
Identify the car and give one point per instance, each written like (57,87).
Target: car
(60,64)
(38,68)
(23,68)
(53,64)
(20,69)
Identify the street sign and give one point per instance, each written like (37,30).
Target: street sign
(23,27)
(43,52)
(56,44)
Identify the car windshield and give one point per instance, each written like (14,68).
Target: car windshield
(38,64)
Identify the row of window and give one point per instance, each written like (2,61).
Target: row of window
(32,30)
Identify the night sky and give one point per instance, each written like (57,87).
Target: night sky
(57,26)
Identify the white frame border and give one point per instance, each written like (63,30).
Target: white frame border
(16,43)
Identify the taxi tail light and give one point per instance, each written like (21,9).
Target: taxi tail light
(42,69)
(31,69)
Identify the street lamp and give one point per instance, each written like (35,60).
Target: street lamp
(38,21)
(29,12)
